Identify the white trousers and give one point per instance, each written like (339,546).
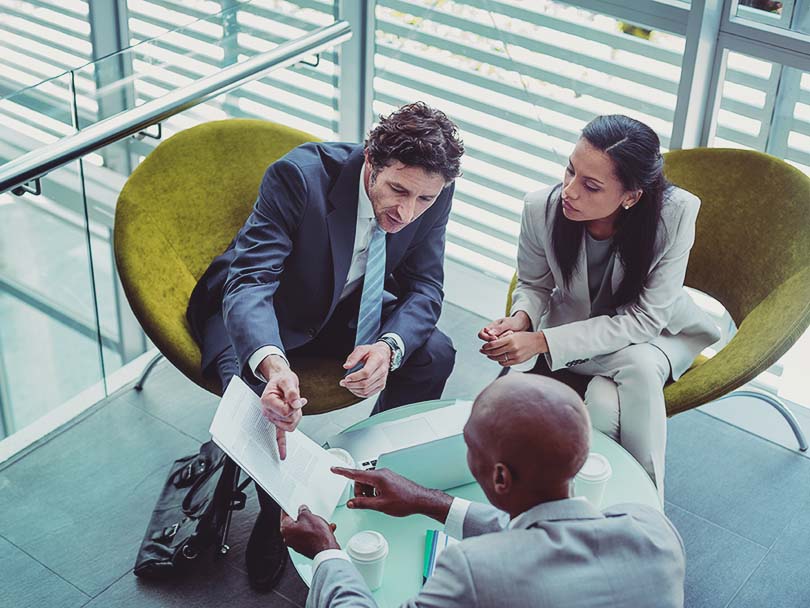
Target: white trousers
(625,400)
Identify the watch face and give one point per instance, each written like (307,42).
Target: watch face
(396,354)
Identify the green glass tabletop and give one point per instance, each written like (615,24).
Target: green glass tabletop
(406,536)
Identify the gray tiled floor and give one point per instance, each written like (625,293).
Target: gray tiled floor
(719,561)
(73,510)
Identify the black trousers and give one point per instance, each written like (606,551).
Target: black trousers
(421,377)
(578,382)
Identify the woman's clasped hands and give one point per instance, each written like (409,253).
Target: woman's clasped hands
(509,340)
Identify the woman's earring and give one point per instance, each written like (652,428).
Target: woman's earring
(626,206)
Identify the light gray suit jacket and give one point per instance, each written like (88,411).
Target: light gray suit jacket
(561,553)
(664,314)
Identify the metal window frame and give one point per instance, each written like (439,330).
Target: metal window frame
(788,50)
(356,65)
(696,90)
(664,15)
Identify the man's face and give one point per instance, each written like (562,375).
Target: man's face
(400,193)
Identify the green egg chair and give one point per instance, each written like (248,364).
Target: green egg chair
(752,254)
(179,209)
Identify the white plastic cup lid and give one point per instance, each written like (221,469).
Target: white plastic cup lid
(343,456)
(596,469)
(367,546)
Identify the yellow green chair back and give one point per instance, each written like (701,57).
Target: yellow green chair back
(179,209)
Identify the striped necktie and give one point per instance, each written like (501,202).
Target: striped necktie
(368,319)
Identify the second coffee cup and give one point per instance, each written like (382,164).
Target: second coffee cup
(368,550)
(592,478)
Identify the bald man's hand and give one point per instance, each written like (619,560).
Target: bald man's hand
(309,534)
(385,491)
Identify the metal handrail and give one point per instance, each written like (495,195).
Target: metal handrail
(37,163)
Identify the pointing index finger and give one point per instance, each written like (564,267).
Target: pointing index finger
(286,520)
(354,474)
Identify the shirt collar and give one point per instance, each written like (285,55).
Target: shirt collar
(577,507)
(364,208)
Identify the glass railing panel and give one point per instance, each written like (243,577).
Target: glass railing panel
(49,332)
(35,116)
(163,59)
(302,96)
(40,39)
(73,307)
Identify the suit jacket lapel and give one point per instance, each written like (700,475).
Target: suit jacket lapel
(341,220)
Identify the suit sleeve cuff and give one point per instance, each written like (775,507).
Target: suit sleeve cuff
(398,340)
(454,525)
(525,303)
(258,356)
(556,349)
(328,554)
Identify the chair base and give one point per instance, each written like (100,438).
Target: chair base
(147,370)
(780,407)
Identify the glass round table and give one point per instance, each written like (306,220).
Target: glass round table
(406,536)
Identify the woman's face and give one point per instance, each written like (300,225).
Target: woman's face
(591,191)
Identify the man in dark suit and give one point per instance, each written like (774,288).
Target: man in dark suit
(342,255)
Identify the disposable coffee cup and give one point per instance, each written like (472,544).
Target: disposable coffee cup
(592,478)
(348,462)
(368,550)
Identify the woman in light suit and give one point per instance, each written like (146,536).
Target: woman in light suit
(601,263)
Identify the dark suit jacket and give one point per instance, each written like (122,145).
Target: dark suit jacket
(280,279)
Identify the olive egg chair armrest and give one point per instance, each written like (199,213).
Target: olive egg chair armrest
(766,333)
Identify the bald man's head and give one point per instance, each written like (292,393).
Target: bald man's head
(527,437)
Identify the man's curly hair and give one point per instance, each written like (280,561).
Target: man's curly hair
(418,136)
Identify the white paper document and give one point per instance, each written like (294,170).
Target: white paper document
(303,478)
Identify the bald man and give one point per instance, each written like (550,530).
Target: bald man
(535,545)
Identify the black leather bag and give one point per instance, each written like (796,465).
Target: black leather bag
(192,514)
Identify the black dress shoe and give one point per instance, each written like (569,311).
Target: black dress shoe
(266,553)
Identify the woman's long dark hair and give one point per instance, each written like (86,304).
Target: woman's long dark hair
(635,151)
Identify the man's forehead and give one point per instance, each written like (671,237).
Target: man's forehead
(413,176)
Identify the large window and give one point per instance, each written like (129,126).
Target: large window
(521,80)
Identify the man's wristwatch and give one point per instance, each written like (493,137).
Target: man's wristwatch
(396,353)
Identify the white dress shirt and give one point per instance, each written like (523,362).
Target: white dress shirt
(354,279)
(453,526)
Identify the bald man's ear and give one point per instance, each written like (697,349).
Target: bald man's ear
(501,479)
